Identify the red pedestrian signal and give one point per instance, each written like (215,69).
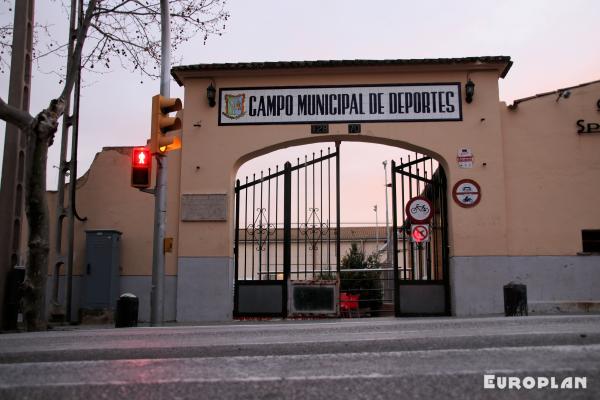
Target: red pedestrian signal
(141,167)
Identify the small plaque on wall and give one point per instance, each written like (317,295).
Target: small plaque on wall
(319,128)
(204,207)
(354,128)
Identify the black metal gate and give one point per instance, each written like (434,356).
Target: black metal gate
(287,226)
(420,267)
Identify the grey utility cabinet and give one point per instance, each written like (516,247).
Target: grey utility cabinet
(102,269)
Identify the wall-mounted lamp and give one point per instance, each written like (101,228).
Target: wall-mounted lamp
(563,94)
(469,91)
(211,95)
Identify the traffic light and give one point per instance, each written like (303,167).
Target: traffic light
(162,124)
(141,167)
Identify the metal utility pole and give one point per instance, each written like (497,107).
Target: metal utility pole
(12,190)
(71,210)
(69,121)
(63,167)
(376,229)
(157,297)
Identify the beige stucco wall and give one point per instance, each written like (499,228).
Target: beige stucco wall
(552,173)
(106,199)
(211,154)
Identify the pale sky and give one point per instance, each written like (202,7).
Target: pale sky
(553,45)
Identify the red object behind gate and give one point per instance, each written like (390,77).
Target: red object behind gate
(349,303)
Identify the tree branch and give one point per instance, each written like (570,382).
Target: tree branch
(55,50)
(76,59)
(15,116)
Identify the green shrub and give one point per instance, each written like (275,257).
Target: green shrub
(365,283)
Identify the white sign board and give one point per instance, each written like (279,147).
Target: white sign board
(465,158)
(340,104)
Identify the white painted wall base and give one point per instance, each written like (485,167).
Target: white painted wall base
(205,289)
(477,283)
(564,307)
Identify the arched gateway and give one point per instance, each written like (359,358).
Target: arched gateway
(293,257)
(517,199)
(421,105)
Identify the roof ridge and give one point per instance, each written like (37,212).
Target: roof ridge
(255,65)
(557,91)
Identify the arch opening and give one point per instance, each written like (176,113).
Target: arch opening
(315,234)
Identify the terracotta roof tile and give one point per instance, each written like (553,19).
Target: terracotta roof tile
(339,63)
(554,92)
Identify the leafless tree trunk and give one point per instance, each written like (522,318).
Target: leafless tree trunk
(39,137)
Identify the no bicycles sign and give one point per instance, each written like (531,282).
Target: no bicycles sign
(419,209)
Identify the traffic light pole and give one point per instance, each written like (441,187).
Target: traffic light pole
(158,257)
(157,297)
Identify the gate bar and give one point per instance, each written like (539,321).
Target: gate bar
(236,248)
(260,228)
(337,211)
(305,211)
(287,233)
(276,215)
(445,248)
(395,241)
(253,220)
(410,243)
(328,213)
(403,228)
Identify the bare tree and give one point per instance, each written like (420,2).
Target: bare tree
(6,30)
(124,31)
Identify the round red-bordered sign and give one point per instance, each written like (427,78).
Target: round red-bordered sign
(419,209)
(420,233)
(466,193)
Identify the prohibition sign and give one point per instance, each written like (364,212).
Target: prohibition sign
(419,233)
(418,209)
(466,193)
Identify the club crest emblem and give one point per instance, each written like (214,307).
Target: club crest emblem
(234,106)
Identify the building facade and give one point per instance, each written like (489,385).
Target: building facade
(535,164)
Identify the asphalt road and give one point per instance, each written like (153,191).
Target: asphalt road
(350,359)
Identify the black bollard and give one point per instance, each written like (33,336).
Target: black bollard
(515,299)
(127,311)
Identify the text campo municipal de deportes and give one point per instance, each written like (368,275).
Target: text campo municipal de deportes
(420,102)
(351,104)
